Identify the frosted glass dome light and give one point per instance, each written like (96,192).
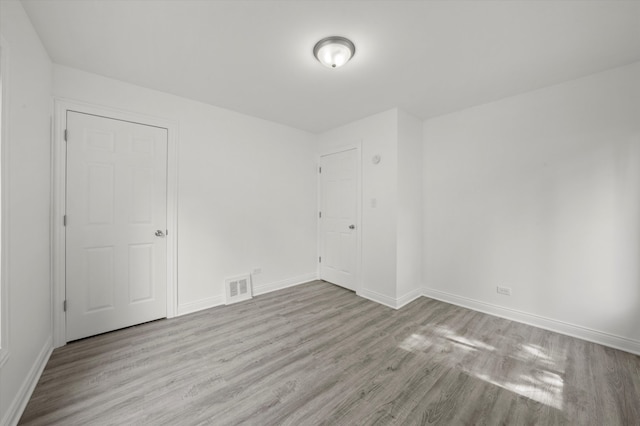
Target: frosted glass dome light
(334,52)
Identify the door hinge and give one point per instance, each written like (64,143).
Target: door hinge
(320,215)
(65,135)
(320,259)
(64,220)
(166,232)
(319,169)
(64,306)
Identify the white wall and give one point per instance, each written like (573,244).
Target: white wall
(247,189)
(378,136)
(409,238)
(541,193)
(28,87)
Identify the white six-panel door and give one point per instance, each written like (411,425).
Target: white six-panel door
(116,220)
(338,206)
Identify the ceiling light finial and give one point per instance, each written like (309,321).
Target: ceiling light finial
(334,51)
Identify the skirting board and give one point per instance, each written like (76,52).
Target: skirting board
(13,414)
(289,282)
(377,297)
(408,298)
(584,333)
(390,301)
(198,305)
(210,302)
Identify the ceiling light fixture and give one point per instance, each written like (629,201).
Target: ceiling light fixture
(334,51)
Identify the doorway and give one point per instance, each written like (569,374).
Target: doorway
(339,227)
(115,224)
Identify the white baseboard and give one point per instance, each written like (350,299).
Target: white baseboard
(409,297)
(584,333)
(377,297)
(198,305)
(289,282)
(13,414)
(210,302)
(390,301)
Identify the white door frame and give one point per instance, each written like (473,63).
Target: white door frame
(335,150)
(58,170)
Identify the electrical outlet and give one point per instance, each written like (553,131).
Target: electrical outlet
(256,271)
(503,290)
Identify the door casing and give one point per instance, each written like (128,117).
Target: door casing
(58,191)
(335,150)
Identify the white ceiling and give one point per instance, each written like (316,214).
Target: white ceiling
(255,57)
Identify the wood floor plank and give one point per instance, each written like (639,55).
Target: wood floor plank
(317,354)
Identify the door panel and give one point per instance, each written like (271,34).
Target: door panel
(116,200)
(338,204)
(100,285)
(140,272)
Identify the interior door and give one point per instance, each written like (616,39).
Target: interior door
(116,220)
(338,214)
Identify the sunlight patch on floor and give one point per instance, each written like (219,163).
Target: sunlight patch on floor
(535,374)
(418,342)
(546,390)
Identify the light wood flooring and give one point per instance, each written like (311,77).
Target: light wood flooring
(316,354)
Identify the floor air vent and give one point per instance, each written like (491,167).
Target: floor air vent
(238,289)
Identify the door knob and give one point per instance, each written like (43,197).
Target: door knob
(159,233)
(352,227)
